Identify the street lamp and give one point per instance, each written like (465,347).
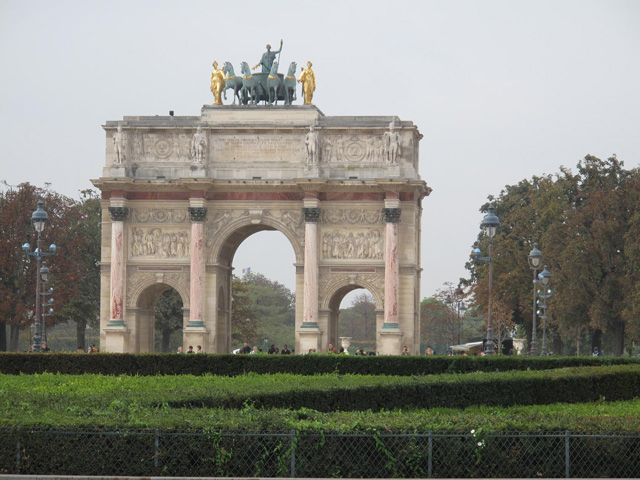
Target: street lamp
(45,313)
(490,224)
(457,301)
(535,257)
(39,218)
(545,293)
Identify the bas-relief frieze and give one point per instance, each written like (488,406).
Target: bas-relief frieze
(277,148)
(159,243)
(362,245)
(157,215)
(163,147)
(352,217)
(179,280)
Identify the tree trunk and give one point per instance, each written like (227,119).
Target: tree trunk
(81,327)
(557,344)
(14,336)
(617,329)
(596,340)
(3,337)
(166,338)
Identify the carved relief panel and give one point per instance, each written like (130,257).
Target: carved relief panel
(159,243)
(353,244)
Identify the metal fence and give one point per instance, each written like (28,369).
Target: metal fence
(313,454)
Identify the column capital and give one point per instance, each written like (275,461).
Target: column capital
(391,215)
(311,214)
(197,214)
(118,214)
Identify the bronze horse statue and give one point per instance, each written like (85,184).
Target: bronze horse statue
(252,90)
(232,82)
(274,84)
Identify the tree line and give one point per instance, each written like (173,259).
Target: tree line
(587,225)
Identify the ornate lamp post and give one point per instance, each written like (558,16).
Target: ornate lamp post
(545,293)
(46,312)
(490,224)
(456,300)
(39,218)
(535,257)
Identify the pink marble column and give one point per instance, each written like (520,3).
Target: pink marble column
(310,310)
(391,266)
(196,293)
(116,316)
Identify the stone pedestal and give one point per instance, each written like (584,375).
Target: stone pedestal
(116,339)
(312,171)
(310,336)
(196,336)
(390,339)
(198,170)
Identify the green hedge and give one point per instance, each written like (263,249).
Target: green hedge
(231,365)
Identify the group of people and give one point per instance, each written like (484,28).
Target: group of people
(191,350)
(273,350)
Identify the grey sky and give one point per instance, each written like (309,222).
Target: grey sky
(501,90)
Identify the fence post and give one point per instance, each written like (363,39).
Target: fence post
(567,455)
(430,455)
(18,450)
(293,454)
(156,445)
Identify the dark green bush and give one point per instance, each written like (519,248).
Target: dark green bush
(231,365)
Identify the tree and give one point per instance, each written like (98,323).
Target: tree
(80,241)
(359,321)
(168,316)
(244,321)
(587,225)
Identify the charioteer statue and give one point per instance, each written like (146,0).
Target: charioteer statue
(268,58)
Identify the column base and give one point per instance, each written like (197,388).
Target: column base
(116,338)
(195,336)
(309,335)
(390,339)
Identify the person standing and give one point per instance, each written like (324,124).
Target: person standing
(268,58)
(285,350)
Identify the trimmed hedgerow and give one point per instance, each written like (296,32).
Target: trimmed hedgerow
(232,365)
(105,395)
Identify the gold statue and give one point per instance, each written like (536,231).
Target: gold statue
(308,80)
(217,84)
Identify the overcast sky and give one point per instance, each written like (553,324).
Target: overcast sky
(501,90)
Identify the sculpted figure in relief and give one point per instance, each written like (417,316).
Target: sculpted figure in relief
(156,243)
(198,146)
(391,140)
(360,245)
(312,143)
(118,146)
(308,80)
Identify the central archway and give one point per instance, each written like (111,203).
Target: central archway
(223,243)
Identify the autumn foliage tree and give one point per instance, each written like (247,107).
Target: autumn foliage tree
(588,226)
(74,226)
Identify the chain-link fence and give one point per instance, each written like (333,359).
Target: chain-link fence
(313,454)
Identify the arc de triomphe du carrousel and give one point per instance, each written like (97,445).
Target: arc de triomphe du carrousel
(180,194)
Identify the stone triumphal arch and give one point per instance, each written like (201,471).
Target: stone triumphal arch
(180,194)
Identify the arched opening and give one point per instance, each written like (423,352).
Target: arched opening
(354,318)
(159,319)
(262,279)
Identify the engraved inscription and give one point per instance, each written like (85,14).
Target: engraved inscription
(258,147)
